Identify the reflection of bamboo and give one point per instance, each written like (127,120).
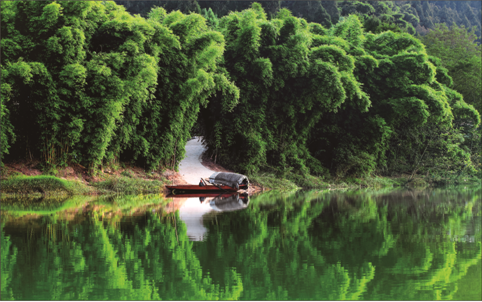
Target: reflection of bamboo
(174,216)
(175,228)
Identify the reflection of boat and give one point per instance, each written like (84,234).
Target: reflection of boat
(196,212)
(219,181)
(229,201)
(193,213)
(233,202)
(202,194)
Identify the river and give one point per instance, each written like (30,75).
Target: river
(305,245)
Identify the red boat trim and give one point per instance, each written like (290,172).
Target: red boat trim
(192,195)
(204,188)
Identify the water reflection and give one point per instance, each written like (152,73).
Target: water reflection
(234,202)
(358,245)
(199,209)
(191,213)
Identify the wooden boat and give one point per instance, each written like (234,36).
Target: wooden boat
(206,188)
(205,194)
(219,181)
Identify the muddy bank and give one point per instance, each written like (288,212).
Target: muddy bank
(75,179)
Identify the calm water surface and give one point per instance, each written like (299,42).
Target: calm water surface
(354,245)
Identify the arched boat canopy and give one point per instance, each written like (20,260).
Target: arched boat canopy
(228,179)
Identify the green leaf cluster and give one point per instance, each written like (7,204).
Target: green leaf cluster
(87,82)
(457,51)
(410,16)
(315,100)
(288,76)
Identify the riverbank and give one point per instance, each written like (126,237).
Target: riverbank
(270,181)
(294,181)
(26,178)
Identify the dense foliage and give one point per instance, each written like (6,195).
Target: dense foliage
(458,51)
(89,83)
(314,99)
(419,16)
(288,80)
(412,108)
(460,54)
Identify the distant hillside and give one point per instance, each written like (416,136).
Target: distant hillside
(467,13)
(413,16)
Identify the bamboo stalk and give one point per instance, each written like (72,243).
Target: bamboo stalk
(414,170)
(174,161)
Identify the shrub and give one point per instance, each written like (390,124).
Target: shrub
(127,173)
(128,185)
(44,184)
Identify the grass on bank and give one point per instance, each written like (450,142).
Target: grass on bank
(129,185)
(43,184)
(51,185)
(371,182)
(271,182)
(294,181)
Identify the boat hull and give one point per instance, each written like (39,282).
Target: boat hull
(208,188)
(205,194)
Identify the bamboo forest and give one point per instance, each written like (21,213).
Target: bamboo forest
(87,82)
(357,123)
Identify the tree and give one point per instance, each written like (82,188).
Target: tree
(279,66)
(459,53)
(86,82)
(408,91)
(60,77)
(188,75)
(211,18)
